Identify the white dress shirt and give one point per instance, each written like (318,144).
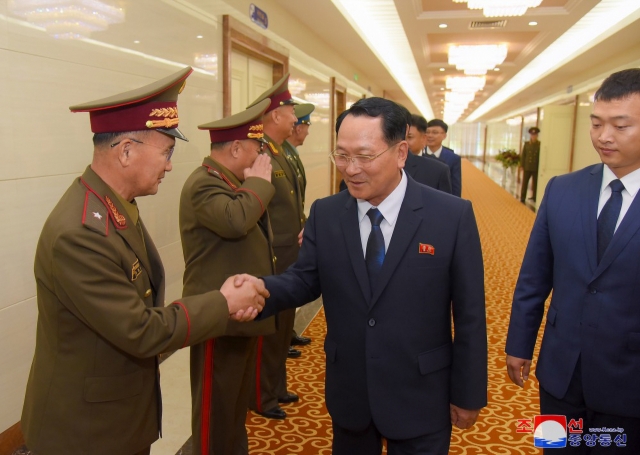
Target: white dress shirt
(631,184)
(436,153)
(390,208)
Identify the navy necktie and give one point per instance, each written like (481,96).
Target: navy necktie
(374,256)
(609,217)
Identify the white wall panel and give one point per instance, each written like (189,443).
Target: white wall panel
(17,342)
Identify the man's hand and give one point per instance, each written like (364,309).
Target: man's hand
(260,168)
(463,418)
(245,300)
(300,235)
(518,369)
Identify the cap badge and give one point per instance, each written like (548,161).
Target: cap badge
(117,216)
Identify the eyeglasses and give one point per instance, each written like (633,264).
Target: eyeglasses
(362,161)
(168,153)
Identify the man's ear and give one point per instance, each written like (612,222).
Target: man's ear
(123,150)
(235,148)
(403,149)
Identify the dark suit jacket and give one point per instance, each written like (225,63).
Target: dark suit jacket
(433,173)
(594,312)
(93,386)
(455,168)
(390,355)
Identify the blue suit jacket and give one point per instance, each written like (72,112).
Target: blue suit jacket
(390,353)
(595,309)
(455,167)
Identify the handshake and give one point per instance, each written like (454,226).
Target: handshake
(245,296)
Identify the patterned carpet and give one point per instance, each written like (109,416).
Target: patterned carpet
(504,226)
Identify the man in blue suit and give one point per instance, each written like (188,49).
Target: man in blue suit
(436,133)
(584,247)
(395,262)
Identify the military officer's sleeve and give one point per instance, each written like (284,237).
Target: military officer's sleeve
(91,279)
(229,213)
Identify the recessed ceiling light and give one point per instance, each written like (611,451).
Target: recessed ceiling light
(441,69)
(496,69)
(441,88)
(532,23)
(137,42)
(442,25)
(199,36)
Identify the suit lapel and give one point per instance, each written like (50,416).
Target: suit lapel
(627,229)
(351,232)
(589,212)
(403,233)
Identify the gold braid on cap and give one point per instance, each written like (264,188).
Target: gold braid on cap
(255,135)
(258,127)
(165,123)
(164,112)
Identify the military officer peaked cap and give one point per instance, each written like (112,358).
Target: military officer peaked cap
(152,107)
(279,95)
(534,130)
(303,112)
(243,125)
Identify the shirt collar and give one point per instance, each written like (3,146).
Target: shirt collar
(436,153)
(390,207)
(631,181)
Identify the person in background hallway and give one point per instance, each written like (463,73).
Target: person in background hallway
(529,160)
(396,263)
(287,220)
(290,146)
(436,133)
(94,382)
(584,247)
(433,173)
(224,228)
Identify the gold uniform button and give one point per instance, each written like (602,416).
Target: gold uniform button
(147,293)
(275,259)
(291,191)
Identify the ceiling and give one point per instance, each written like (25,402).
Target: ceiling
(429,43)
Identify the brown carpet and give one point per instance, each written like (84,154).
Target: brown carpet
(504,226)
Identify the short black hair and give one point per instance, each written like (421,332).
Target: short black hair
(395,117)
(619,85)
(438,122)
(419,122)
(104,139)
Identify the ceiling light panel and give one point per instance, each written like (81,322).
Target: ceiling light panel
(604,19)
(379,25)
(477,59)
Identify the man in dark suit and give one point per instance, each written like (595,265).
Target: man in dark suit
(584,247)
(94,383)
(433,173)
(394,262)
(436,133)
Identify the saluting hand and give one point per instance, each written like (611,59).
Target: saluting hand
(260,168)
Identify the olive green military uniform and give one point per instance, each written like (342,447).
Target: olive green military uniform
(287,220)
(529,161)
(293,156)
(225,230)
(94,385)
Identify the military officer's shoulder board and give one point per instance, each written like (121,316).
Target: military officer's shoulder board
(273,148)
(221,176)
(98,210)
